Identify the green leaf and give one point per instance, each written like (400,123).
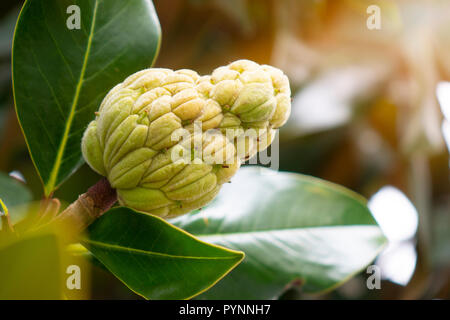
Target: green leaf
(60,75)
(155,259)
(291,228)
(30,268)
(13,193)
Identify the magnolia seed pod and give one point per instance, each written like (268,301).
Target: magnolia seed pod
(167,140)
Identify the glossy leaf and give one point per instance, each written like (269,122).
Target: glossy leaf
(30,268)
(291,228)
(13,193)
(155,259)
(60,75)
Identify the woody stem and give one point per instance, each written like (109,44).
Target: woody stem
(88,207)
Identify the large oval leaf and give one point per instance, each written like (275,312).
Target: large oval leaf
(155,259)
(30,268)
(291,228)
(13,192)
(60,75)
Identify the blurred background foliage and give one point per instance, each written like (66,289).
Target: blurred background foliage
(368,112)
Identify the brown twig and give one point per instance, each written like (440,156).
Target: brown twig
(87,208)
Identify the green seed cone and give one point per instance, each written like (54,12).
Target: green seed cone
(147,140)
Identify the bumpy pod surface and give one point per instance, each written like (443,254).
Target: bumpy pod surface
(167,140)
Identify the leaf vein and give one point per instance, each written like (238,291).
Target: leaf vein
(127,249)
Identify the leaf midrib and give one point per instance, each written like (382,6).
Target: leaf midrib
(49,187)
(152,253)
(282,230)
